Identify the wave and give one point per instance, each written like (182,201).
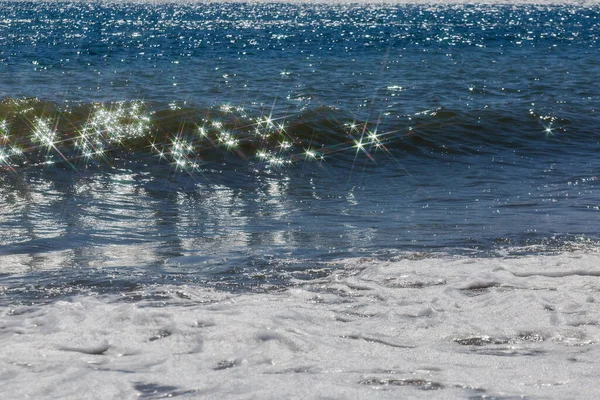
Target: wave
(34,132)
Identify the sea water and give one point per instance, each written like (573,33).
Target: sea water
(245,200)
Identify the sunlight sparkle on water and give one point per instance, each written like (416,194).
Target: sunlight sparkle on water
(186,143)
(43,133)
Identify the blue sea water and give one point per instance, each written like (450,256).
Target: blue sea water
(242,145)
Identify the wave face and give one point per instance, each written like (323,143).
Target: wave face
(38,133)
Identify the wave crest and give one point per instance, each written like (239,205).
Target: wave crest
(36,132)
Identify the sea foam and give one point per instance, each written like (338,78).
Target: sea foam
(421,327)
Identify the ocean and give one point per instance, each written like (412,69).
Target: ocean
(310,200)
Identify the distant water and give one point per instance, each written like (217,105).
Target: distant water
(245,144)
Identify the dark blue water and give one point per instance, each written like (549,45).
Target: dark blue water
(246,145)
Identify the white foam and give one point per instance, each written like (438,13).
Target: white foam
(442,328)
